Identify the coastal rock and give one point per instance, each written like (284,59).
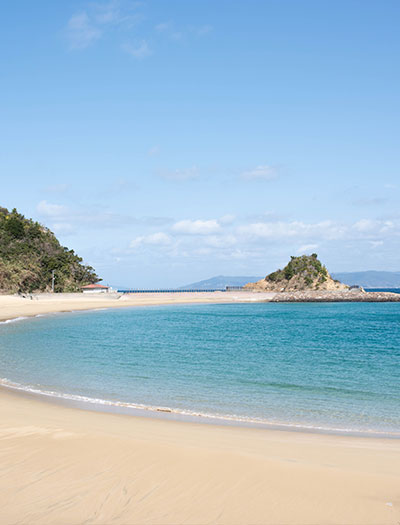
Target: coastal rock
(335,296)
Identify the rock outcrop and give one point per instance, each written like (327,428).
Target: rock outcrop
(304,273)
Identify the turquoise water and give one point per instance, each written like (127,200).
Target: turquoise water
(326,366)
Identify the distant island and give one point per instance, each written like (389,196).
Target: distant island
(305,272)
(30,253)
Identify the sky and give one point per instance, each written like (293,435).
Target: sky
(167,141)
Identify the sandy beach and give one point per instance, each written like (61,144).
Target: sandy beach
(64,465)
(13,306)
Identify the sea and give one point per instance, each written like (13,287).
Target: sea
(330,367)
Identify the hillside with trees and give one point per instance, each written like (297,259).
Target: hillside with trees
(30,252)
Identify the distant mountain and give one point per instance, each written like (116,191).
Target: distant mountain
(369,279)
(220,282)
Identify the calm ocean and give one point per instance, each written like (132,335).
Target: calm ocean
(333,366)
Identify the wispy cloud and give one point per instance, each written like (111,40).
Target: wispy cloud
(108,13)
(163,26)
(376,244)
(56,188)
(61,218)
(320,231)
(81,33)
(169,30)
(204,30)
(197,227)
(153,151)
(180,174)
(90,24)
(52,210)
(153,239)
(299,229)
(97,19)
(263,172)
(373,201)
(139,51)
(307,248)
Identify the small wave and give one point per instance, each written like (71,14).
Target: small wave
(14,320)
(195,414)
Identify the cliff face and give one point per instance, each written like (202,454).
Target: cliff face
(301,273)
(29,253)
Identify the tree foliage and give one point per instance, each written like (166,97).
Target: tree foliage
(29,252)
(307,267)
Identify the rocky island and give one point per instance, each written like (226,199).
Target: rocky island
(306,279)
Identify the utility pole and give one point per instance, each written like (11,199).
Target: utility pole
(52,280)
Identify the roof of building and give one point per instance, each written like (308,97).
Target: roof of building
(94,287)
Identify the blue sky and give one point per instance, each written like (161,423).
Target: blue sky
(169,141)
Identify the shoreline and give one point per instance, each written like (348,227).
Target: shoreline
(13,306)
(131,409)
(66,465)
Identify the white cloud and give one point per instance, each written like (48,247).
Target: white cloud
(279,229)
(81,33)
(154,239)
(373,227)
(307,248)
(197,227)
(158,238)
(51,210)
(139,51)
(180,175)
(260,173)
(320,231)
